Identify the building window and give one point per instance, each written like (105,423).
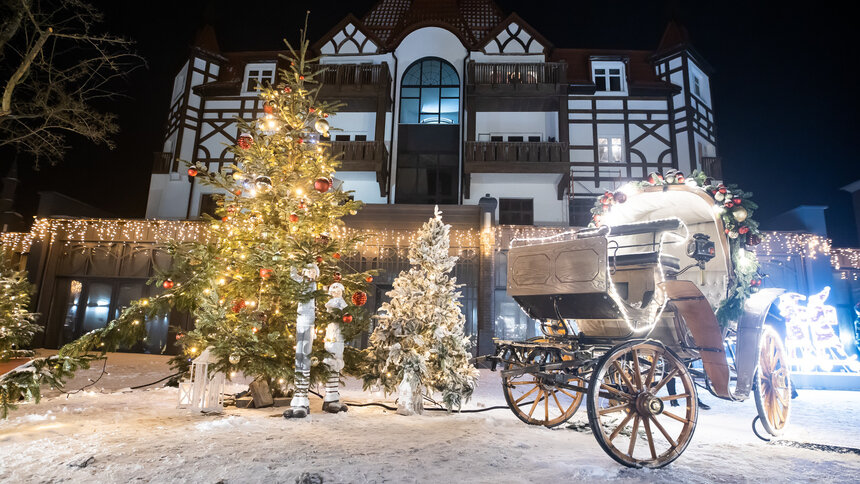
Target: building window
(580,211)
(516,211)
(208,205)
(609,76)
(697,86)
(258,75)
(610,149)
(430,93)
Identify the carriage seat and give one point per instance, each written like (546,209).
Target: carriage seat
(644,259)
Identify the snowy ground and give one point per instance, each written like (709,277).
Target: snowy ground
(141,436)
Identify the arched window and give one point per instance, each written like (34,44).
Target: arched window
(430,93)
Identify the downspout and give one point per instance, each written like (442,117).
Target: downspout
(190,197)
(463,124)
(394,112)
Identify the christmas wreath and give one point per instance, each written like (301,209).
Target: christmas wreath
(735,209)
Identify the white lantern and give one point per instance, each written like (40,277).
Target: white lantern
(204,393)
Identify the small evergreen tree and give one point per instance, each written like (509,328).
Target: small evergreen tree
(419,344)
(17,324)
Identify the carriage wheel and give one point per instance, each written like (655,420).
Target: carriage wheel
(773,383)
(538,399)
(629,404)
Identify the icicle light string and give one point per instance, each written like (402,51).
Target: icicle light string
(110,231)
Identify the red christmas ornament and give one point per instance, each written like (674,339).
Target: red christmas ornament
(238,305)
(322,185)
(743,230)
(369,278)
(288,89)
(347,318)
(224,219)
(337,277)
(359,298)
(655,178)
(319,259)
(294,217)
(729,204)
(325,115)
(266,273)
(336,255)
(237,192)
(245,142)
(721,189)
(300,140)
(736,201)
(310,110)
(679,177)
(179,336)
(168,284)
(268,109)
(192,171)
(302,78)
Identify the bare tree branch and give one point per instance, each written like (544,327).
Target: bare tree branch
(58,68)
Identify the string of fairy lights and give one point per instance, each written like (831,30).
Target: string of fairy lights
(110,231)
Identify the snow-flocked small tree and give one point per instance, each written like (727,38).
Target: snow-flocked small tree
(418,344)
(17,324)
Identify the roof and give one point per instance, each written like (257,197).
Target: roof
(579,68)
(471,20)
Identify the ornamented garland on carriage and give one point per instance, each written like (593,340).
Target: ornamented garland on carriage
(734,207)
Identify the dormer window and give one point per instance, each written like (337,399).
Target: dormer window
(608,76)
(258,75)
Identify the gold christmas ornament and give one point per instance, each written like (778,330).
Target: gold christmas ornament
(234,359)
(321,126)
(740,214)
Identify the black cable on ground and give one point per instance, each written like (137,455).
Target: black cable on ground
(92,382)
(432,409)
(157,381)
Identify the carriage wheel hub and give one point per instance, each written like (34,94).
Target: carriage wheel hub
(648,404)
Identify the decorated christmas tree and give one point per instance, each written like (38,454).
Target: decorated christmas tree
(17,324)
(252,287)
(276,249)
(418,345)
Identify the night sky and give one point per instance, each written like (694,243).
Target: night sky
(786,101)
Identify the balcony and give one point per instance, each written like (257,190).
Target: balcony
(502,157)
(507,157)
(516,86)
(361,87)
(364,156)
(713,166)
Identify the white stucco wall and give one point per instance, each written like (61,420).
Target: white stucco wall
(542,188)
(543,124)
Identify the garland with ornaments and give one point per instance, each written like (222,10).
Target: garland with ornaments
(735,208)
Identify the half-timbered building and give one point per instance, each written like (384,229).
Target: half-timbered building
(449,101)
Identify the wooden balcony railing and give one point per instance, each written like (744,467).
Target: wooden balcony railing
(360,155)
(516,74)
(161,163)
(356,75)
(508,152)
(713,166)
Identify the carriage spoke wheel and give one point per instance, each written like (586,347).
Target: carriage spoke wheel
(629,404)
(543,398)
(773,383)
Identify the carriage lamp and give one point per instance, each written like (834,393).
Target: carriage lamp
(702,249)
